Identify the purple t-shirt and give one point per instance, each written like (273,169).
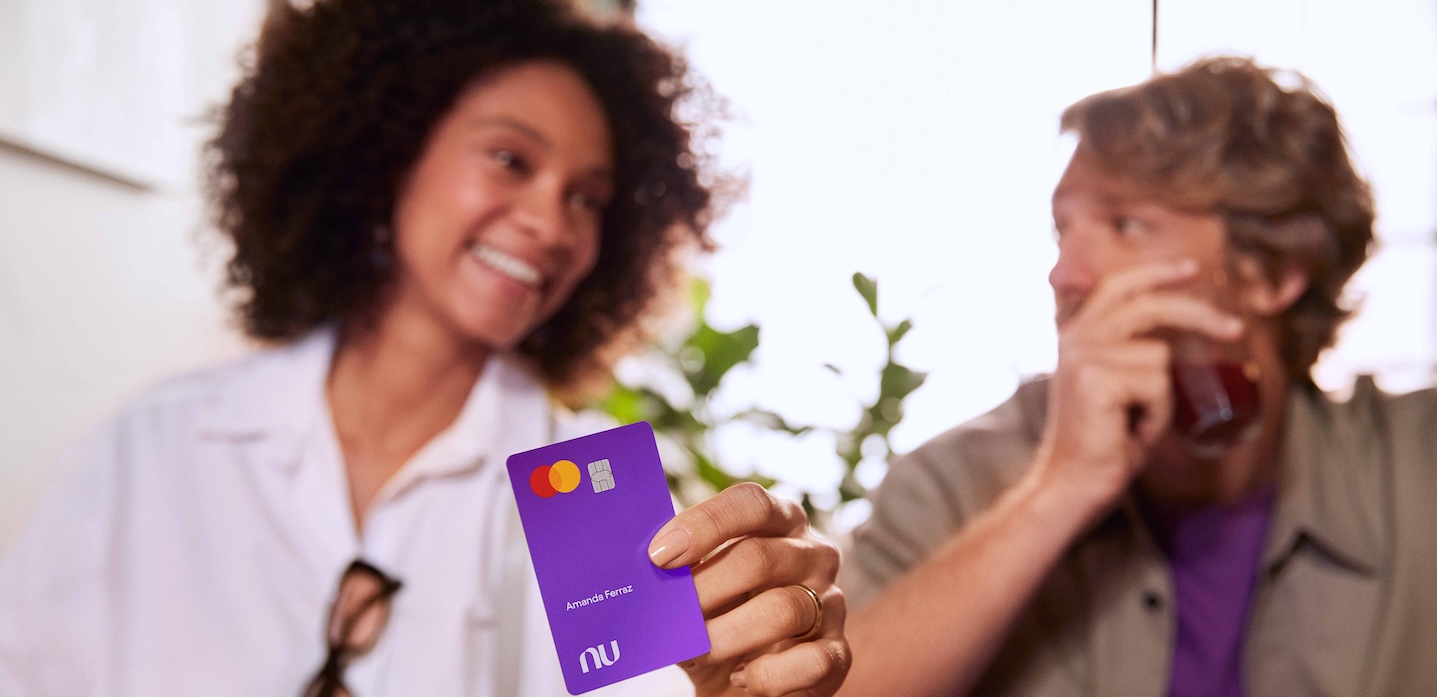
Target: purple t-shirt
(1214,553)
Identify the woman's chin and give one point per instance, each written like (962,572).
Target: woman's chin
(491,339)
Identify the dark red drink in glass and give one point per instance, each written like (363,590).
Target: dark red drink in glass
(1215,404)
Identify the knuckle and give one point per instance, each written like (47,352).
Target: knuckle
(761,679)
(710,517)
(829,560)
(842,655)
(751,491)
(756,558)
(835,606)
(821,661)
(816,664)
(836,657)
(799,669)
(789,510)
(750,496)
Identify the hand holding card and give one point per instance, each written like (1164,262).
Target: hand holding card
(774,617)
(589,507)
(764,602)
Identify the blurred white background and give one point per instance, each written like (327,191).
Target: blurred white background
(918,142)
(107,281)
(914,141)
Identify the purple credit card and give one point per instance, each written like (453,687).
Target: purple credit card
(590,506)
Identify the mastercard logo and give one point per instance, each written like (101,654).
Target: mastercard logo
(561,477)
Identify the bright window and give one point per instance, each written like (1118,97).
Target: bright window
(917,142)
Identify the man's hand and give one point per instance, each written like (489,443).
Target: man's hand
(753,556)
(1111,397)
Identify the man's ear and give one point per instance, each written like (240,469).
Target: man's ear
(1266,296)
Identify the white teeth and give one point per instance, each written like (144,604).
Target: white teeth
(508,265)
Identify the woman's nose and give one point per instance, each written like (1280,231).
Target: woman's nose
(541,213)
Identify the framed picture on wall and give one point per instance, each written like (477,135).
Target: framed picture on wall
(103,85)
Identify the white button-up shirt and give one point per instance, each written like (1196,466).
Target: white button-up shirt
(199,547)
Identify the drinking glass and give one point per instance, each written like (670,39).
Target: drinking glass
(1215,393)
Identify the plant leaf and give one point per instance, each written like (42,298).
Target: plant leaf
(771,421)
(898,381)
(721,352)
(896,334)
(626,405)
(868,288)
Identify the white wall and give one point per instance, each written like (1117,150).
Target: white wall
(104,286)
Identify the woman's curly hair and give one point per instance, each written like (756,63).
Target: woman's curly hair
(1225,135)
(335,108)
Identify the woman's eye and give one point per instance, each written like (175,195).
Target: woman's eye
(509,159)
(586,202)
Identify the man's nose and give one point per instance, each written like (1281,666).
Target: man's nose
(1076,271)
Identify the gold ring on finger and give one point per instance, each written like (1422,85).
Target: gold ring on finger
(817,612)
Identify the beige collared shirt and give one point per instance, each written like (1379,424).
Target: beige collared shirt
(1346,599)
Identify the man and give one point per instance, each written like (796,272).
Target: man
(1073,541)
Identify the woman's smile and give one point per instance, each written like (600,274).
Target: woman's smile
(507,264)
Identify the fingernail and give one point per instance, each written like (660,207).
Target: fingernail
(668,547)
(737,679)
(1232,325)
(1185,266)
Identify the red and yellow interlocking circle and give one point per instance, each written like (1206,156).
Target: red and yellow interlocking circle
(561,477)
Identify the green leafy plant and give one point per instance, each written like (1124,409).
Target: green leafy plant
(684,421)
(683,417)
(895,382)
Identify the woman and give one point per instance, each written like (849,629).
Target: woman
(442,213)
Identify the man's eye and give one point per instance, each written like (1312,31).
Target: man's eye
(1130,226)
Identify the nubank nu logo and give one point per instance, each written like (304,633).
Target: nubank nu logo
(600,654)
(563,477)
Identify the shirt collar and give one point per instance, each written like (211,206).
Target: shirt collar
(276,392)
(1330,481)
(507,411)
(1330,485)
(278,396)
